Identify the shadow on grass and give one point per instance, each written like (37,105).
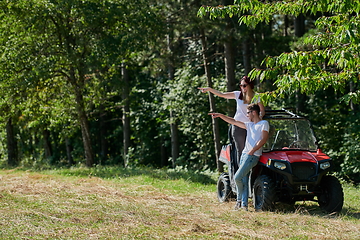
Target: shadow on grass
(119,172)
(315,210)
(351,212)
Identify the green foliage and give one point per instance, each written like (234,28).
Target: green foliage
(150,133)
(189,107)
(333,59)
(62,56)
(350,150)
(326,60)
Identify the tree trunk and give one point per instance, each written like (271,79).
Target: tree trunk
(215,122)
(229,52)
(47,143)
(174,139)
(85,131)
(230,70)
(69,149)
(126,113)
(173,123)
(164,157)
(11,144)
(230,65)
(246,55)
(78,86)
(103,140)
(353,88)
(299,25)
(286,25)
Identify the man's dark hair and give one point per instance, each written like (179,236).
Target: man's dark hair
(254,107)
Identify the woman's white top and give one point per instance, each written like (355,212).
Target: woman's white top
(241,107)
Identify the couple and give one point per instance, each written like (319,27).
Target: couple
(257,135)
(243,98)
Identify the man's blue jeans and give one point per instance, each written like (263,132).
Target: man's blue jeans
(247,162)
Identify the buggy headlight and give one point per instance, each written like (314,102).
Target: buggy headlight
(324,165)
(280,165)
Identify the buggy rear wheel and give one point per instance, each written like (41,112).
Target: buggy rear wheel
(332,197)
(224,188)
(264,193)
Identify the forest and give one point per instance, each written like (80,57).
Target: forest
(115,82)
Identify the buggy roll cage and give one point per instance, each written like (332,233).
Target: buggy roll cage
(281,114)
(286,114)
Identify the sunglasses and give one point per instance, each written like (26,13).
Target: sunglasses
(249,112)
(243,85)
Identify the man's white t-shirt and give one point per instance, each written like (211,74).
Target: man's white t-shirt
(241,108)
(254,135)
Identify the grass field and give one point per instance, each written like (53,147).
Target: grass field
(113,203)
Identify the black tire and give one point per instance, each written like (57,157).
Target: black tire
(332,197)
(223,188)
(264,193)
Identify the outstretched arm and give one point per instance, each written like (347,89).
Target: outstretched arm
(227,95)
(228,119)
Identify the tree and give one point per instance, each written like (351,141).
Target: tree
(328,63)
(72,40)
(11,144)
(333,59)
(175,51)
(215,122)
(125,112)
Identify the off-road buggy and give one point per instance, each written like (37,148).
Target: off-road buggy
(292,167)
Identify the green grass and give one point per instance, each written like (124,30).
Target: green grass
(116,203)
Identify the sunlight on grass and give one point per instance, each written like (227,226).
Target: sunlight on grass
(113,203)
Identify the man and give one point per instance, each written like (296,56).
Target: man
(257,135)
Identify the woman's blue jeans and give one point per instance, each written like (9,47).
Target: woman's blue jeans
(247,162)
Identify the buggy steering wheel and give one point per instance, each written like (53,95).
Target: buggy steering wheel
(298,144)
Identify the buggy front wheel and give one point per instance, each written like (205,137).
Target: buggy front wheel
(264,193)
(332,197)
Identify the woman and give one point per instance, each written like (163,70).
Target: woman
(243,98)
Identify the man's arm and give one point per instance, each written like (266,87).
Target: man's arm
(262,110)
(228,119)
(259,144)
